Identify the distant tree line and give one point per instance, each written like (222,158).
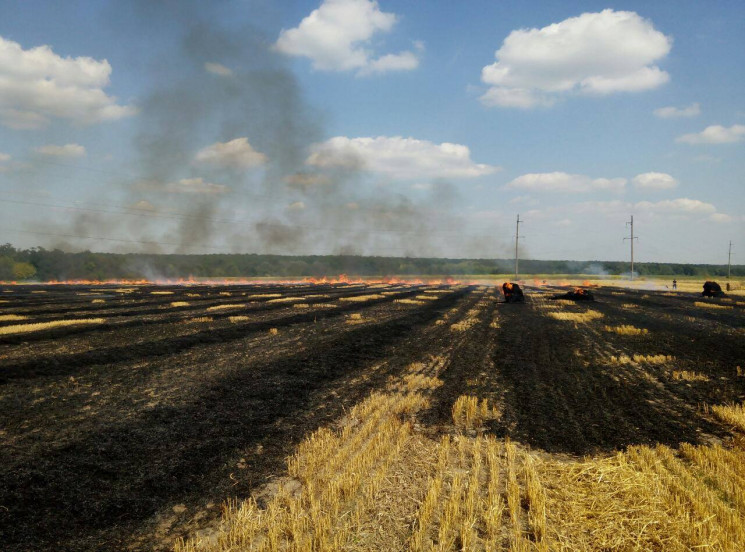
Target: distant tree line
(45,265)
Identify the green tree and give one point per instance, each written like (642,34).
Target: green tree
(23,271)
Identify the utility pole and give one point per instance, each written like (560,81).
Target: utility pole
(729,260)
(517,238)
(632,238)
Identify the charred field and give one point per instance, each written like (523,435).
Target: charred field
(371,416)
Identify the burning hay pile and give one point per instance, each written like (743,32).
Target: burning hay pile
(712,289)
(512,293)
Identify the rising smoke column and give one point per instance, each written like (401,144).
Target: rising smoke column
(213,87)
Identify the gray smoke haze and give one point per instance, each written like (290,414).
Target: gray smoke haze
(281,207)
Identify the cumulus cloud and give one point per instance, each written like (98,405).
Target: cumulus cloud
(721,218)
(235,154)
(398,157)
(682,205)
(183,186)
(37,85)
(68,150)
(680,208)
(195,186)
(564,182)
(676,113)
(337,37)
(594,53)
(307,181)
(218,69)
(714,134)
(654,181)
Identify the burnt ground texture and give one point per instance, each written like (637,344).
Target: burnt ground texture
(132,431)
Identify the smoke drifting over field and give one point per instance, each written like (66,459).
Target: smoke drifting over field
(222,138)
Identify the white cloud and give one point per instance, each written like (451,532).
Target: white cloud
(675,113)
(307,181)
(195,186)
(721,218)
(37,84)
(236,154)
(296,206)
(218,69)
(594,53)
(405,61)
(68,150)
(714,134)
(682,205)
(421,186)
(398,157)
(654,181)
(336,37)
(4,157)
(564,182)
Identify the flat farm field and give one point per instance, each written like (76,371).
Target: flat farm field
(369,417)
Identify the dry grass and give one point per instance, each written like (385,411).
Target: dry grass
(161,293)
(197,319)
(301,306)
(25,328)
(285,300)
(471,318)
(408,301)
(236,319)
(180,304)
(626,330)
(641,359)
(685,375)
(263,296)
(372,483)
(425,297)
(629,306)
(470,413)
(362,298)
(225,307)
(12,317)
(98,301)
(354,318)
(578,317)
(273,331)
(711,305)
(733,414)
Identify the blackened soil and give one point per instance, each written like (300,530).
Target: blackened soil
(130,446)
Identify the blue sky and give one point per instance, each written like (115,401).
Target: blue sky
(387,128)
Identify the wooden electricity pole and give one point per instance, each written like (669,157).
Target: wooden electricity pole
(729,260)
(517,238)
(632,238)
